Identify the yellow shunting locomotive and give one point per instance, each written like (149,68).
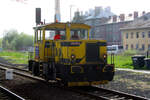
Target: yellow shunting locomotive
(73,58)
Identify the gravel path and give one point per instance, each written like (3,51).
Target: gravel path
(136,83)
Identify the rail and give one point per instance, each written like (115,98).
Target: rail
(11,94)
(92,91)
(106,94)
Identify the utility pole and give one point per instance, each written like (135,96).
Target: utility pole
(71,12)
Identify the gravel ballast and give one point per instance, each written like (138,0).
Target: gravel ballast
(136,83)
(35,90)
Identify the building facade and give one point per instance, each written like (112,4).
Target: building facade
(136,36)
(136,39)
(110,32)
(106,25)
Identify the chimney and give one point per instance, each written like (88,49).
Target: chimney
(143,12)
(97,11)
(130,15)
(81,13)
(38,16)
(122,17)
(109,17)
(57,11)
(114,18)
(135,14)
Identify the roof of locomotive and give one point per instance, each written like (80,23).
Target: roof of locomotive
(62,25)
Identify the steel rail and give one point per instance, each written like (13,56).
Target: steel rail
(11,94)
(121,94)
(102,94)
(11,66)
(106,94)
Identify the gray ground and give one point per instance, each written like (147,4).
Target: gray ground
(137,83)
(131,82)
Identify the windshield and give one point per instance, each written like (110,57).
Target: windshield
(79,34)
(50,34)
(111,48)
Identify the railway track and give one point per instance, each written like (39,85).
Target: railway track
(12,67)
(91,92)
(5,94)
(105,94)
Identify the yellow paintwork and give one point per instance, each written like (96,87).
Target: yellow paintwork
(70,84)
(67,51)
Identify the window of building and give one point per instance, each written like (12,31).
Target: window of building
(132,35)
(126,35)
(132,46)
(148,46)
(126,46)
(149,34)
(137,46)
(143,47)
(137,34)
(143,34)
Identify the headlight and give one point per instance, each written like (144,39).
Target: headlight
(73,56)
(105,56)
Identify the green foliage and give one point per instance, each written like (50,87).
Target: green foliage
(15,57)
(0,42)
(12,40)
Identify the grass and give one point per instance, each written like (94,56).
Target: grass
(122,61)
(15,57)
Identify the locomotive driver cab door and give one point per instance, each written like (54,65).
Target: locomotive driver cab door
(38,40)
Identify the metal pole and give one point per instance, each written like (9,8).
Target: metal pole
(71,12)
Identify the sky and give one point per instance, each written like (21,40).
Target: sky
(21,16)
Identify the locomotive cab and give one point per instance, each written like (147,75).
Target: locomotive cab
(63,51)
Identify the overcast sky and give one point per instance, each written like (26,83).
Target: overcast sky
(21,16)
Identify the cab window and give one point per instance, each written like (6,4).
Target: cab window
(50,34)
(38,36)
(79,34)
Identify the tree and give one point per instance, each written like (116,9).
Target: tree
(0,42)
(14,41)
(9,36)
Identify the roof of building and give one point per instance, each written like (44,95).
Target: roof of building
(127,18)
(139,23)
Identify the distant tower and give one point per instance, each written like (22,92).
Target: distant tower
(57,11)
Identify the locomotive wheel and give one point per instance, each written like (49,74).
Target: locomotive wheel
(35,69)
(45,71)
(49,71)
(53,71)
(30,62)
(111,75)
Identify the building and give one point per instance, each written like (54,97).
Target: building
(110,30)
(96,17)
(136,36)
(106,25)
(93,17)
